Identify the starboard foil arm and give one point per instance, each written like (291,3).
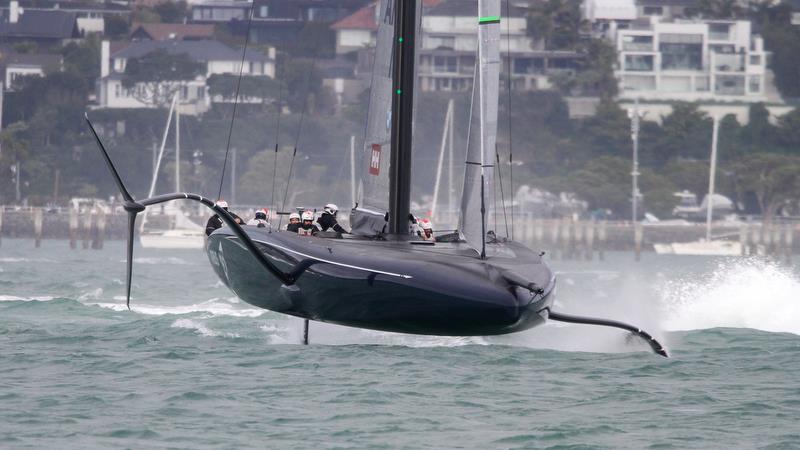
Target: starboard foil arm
(651,341)
(132,207)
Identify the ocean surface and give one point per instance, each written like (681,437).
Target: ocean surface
(193,367)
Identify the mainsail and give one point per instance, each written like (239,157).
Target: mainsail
(482,136)
(373,196)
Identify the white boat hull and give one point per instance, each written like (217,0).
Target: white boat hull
(700,248)
(173,239)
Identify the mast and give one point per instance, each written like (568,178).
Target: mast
(711,175)
(177,146)
(402,115)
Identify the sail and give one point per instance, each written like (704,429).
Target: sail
(479,171)
(373,196)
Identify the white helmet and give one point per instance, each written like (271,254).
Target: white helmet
(294,216)
(222,203)
(261,214)
(331,208)
(426,224)
(308,215)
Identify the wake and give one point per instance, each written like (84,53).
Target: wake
(750,293)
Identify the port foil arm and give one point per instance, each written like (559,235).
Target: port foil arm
(132,207)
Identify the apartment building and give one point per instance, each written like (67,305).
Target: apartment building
(691,60)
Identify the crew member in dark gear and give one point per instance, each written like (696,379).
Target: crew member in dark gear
(215,222)
(307,227)
(328,219)
(294,222)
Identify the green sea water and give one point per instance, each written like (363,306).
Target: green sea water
(193,367)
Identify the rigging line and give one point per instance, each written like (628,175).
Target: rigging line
(510,139)
(236,98)
(502,195)
(297,134)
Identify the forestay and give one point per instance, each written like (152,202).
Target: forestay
(479,172)
(373,196)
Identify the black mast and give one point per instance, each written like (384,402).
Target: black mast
(402,115)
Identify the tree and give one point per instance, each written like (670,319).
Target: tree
(158,75)
(171,11)
(785,46)
(83,59)
(719,9)
(556,23)
(789,130)
(773,178)
(116,27)
(596,72)
(686,133)
(262,88)
(605,183)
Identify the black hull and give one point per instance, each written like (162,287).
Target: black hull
(441,289)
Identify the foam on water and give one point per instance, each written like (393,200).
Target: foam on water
(35,298)
(214,307)
(200,328)
(18,260)
(161,260)
(739,294)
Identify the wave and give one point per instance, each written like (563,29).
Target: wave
(200,328)
(171,260)
(750,293)
(35,298)
(18,260)
(214,307)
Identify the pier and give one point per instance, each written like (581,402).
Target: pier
(560,238)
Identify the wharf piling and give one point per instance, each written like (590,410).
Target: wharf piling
(37,227)
(73,228)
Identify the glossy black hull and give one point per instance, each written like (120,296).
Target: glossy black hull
(441,289)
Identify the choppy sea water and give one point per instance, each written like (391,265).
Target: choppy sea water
(193,367)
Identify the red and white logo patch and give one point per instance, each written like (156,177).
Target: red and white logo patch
(375,160)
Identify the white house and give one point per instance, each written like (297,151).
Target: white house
(691,60)
(218,58)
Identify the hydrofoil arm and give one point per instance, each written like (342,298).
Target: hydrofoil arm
(651,341)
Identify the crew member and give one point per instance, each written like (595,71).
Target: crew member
(307,227)
(425,229)
(260,220)
(328,219)
(294,222)
(215,222)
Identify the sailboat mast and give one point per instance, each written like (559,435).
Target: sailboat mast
(402,115)
(177,146)
(712,173)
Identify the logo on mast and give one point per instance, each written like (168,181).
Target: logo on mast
(375,160)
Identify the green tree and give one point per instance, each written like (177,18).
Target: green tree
(773,178)
(688,175)
(595,75)
(160,75)
(719,9)
(171,11)
(686,132)
(556,23)
(608,131)
(788,130)
(263,88)
(116,27)
(83,59)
